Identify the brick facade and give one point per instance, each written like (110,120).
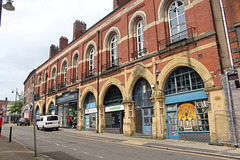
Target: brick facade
(72,69)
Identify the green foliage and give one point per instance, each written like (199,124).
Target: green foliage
(16,106)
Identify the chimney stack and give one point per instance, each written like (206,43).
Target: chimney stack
(6,99)
(117,3)
(63,42)
(53,50)
(79,28)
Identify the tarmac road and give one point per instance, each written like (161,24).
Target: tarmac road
(62,145)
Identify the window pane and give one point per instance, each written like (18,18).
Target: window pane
(182,19)
(172,15)
(180,10)
(173,22)
(238,35)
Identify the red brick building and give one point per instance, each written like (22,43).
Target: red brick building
(152,67)
(27,109)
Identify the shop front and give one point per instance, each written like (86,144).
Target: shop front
(114,111)
(186,106)
(67,109)
(114,119)
(90,112)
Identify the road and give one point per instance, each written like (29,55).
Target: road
(61,145)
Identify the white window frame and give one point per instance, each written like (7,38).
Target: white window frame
(140,38)
(91,61)
(65,74)
(114,50)
(180,27)
(76,68)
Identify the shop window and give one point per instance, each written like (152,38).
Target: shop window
(183,79)
(177,22)
(188,117)
(142,93)
(113,119)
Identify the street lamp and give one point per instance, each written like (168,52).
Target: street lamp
(8,6)
(15,104)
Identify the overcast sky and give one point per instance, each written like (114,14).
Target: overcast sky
(27,33)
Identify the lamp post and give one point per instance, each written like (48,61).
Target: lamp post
(15,104)
(8,6)
(46,76)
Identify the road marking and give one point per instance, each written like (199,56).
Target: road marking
(85,152)
(57,144)
(74,149)
(99,156)
(64,146)
(135,142)
(139,146)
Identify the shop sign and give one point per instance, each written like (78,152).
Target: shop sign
(67,98)
(114,108)
(92,110)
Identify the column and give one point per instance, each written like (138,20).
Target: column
(128,119)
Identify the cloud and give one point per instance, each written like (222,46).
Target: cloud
(27,33)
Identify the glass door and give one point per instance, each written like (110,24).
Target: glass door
(147,120)
(172,122)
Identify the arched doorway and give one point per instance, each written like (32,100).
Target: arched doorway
(114,110)
(90,112)
(186,106)
(143,106)
(44,110)
(52,109)
(37,112)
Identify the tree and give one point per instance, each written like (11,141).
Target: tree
(16,106)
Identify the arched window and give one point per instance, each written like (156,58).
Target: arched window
(75,68)
(142,93)
(65,74)
(140,38)
(183,79)
(54,75)
(91,61)
(114,51)
(177,21)
(89,101)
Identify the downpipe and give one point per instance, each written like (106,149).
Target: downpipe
(228,73)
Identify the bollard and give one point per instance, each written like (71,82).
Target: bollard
(10,135)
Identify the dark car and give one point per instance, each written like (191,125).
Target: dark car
(23,121)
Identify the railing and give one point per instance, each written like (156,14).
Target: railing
(61,85)
(138,54)
(181,38)
(51,89)
(74,80)
(88,74)
(37,96)
(111,64)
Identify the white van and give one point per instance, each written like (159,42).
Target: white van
(48,122)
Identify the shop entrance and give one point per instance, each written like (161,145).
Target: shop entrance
(172,125)
(143,107)
(147,120)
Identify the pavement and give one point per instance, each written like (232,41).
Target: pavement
(16,150)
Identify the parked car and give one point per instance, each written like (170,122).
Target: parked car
(23,121)
(48,122)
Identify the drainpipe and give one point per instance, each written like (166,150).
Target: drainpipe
(227,73)
(98,32)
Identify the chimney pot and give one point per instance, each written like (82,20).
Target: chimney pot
(79,28)
(63,42)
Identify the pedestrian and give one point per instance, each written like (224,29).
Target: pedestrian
(70,120)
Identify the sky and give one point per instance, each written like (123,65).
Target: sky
(27,33)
